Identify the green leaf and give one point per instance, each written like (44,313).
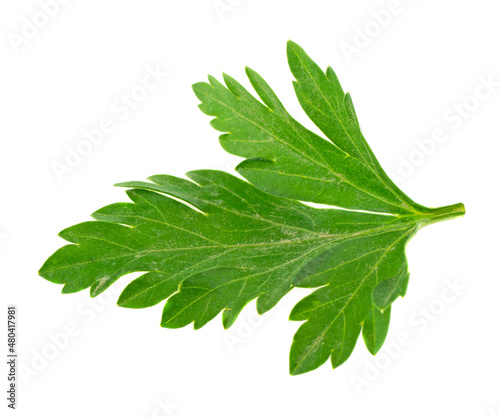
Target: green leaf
(348,274)
(287,159)
(375,328)
(212,243)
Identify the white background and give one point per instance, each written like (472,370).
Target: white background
(407,79)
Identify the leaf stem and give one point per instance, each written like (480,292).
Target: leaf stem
(440,214)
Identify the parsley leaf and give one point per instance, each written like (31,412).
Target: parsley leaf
(213,243)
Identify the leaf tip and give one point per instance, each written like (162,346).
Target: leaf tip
(295,369)
(292,45)
(251,74)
